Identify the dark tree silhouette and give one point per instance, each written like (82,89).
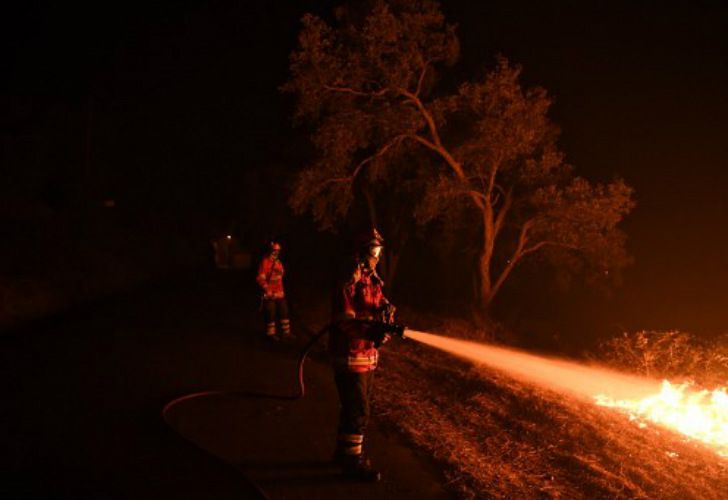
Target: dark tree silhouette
(369,86)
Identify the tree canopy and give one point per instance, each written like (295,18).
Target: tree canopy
(485,152)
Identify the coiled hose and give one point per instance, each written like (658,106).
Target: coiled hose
(301,392)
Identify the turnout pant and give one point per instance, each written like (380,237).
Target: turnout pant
(355,390)
(276,309)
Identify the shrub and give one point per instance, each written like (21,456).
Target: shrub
(668,354)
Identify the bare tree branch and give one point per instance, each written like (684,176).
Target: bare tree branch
(337,180)
(432,127)
(544,243)
(396,140)
(477,194)
(517,255)
(349,90)
(350,178)
(436,144)
(425,65)
(501,217)
(491,178)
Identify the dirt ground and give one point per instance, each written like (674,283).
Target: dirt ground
(84,392)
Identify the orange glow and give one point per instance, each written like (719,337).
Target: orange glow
(568,376)
(701,415)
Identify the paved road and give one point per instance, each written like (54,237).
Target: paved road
(83,394)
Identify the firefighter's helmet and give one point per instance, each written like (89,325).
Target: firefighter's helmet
(369,238)
(370,243)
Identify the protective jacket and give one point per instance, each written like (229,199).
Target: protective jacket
(270,278)
(350,342)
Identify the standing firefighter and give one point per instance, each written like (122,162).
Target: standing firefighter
(274,304)
(354,341)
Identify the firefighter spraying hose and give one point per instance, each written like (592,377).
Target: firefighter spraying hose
(363,321)
(380,331)
(361,313)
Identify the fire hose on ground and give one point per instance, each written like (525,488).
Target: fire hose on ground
(379,331)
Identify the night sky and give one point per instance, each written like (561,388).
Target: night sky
(184,95)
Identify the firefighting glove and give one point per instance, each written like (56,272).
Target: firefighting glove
(388,311)
(378,333)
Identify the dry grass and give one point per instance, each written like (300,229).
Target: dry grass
(498,438)
(672,355)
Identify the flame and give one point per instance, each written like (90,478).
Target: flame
(700,415)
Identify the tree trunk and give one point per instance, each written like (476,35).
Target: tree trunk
(371,207)
(486,254)
(390,269)
(393,252)
(388,264)
(486,285)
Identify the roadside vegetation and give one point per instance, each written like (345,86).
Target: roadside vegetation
(499,438)
(673,355)
(51,262)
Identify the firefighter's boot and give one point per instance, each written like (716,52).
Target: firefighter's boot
(347,446)
(270,331)
(360,469)
(286,329)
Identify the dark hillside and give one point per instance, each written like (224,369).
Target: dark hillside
(499,438)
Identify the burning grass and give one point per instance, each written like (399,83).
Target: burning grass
(497,437)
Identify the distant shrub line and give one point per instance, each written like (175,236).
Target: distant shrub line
(673,355)
(80,271)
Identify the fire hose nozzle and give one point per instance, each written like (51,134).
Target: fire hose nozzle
(398,331)
(380,329)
